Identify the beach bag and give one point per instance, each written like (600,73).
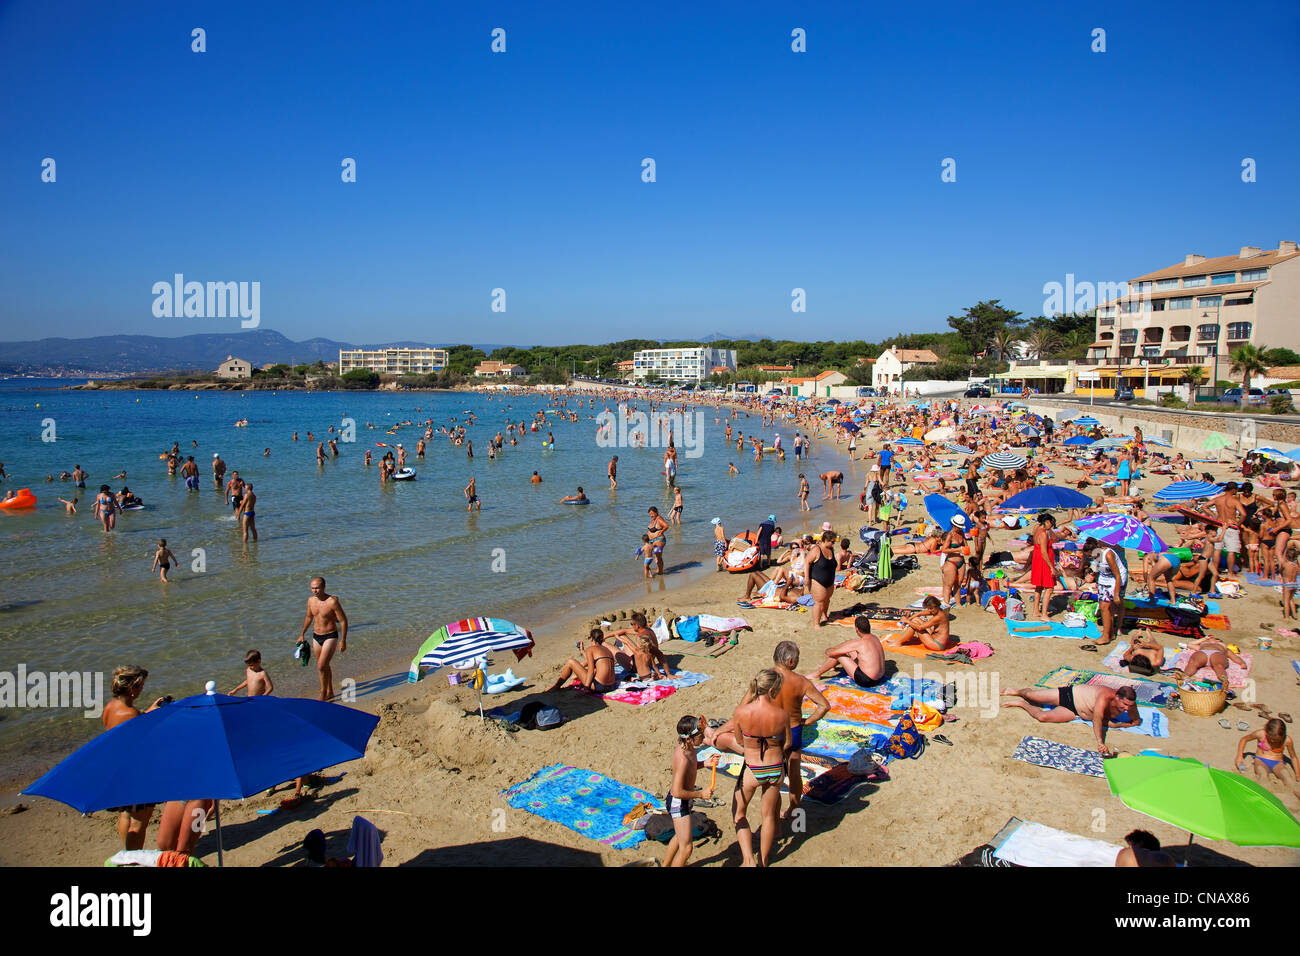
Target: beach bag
(906,741)
(688,628)
(925,717)
(997,603)
(1015,609)
(659,827)
(1087,608)
(539,716)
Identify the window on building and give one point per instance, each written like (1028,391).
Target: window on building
(1180,302)
(1239,330)
(1158,305)
(1145,286)
(1193,282)
(1167,284)
(1209,300)
(1128,336)
(1243,301)
(1223,278)
(1254,275)
(1207,332)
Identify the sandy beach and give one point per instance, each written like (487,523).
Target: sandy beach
(433,774)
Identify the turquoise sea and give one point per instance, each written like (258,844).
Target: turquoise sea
(403,558)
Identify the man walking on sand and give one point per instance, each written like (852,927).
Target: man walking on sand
(329,632)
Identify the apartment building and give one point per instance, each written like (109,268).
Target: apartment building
(393,361)
(682,365)
(1189,313)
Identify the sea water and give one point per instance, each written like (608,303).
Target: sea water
(403,558)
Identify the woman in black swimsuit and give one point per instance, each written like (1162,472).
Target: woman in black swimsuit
(821,575)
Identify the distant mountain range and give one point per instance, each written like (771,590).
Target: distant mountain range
(137,354)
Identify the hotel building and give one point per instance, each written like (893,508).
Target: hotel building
(682,365)
(1189,313)
(393,361)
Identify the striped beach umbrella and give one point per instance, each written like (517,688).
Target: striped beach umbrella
(909,440)
(942,433)
(1108,443)
(1157,441)
(1087,421)
(1029,431)
(1123,531)
(1005,459)
(465,640)
(1187,491)
(959,449)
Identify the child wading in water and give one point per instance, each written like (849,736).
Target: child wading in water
(690,736)
(163,559)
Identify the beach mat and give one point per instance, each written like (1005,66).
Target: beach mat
(1048,753)
(860,705)
(586,802)
(695,648)
(1033,844)
(1259,580)
(1237,675)
(840,739)
(1089,631)
(1151,692)
(636,694)
(1155,723)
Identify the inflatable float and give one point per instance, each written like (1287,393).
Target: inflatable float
(24,499)
(405,474)
(584,501)
(745,560)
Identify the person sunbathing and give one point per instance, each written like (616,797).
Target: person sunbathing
(930,545)
(1142,849)
(1212,653)
(1149,649)
(1102,706)
(928,627)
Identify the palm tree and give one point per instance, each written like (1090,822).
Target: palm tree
(1041,342)
(1193,377)
(1248,361)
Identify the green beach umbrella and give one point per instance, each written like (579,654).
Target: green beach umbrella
(1205,801)
(1216,442)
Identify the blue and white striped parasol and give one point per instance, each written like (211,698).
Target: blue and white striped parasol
(909,440)
(1087,421)
(1187,491)
(465,640)
(1005,459)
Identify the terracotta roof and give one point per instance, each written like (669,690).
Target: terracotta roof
(1268,257)
(915,356)
(1206,289)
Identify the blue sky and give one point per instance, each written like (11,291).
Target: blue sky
(522,170)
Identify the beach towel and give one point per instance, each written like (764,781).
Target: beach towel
(582,800)
(1237,675)
(1155,723)
(888,624)
(679,680)
(637,694)
(364,843)
(1032,844)
(1259,580)
(1048,753)
(1090,631)
(840,739)
(836,784)
(903,690)
(860,705)
(1151,692)
(723,625)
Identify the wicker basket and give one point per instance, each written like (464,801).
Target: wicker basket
(1203,703)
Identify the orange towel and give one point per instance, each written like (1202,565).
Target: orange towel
(890,643)
(858,705)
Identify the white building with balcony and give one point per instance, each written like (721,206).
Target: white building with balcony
(393,361)
(681,365)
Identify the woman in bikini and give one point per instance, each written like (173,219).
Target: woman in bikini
(1212,653)
(764,736)
(106,508)
(1273,752)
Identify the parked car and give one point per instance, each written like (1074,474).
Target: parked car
(1124,395)
(1232,396)
(866,391)
(977,391)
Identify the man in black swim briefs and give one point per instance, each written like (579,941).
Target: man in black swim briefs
(329,632)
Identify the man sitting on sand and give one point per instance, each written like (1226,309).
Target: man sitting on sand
(596,672)
(861,657)
(1103,706)
(928,626)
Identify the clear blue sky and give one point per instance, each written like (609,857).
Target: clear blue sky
(523,170)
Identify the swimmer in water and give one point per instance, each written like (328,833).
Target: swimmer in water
(163,559)
(471,496)
(70,507)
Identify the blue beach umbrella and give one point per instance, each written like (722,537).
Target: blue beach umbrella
(1077,440)
(941,509)
(1120,530)
(909,440)
(1274,453)
(960,449)
(1045,497)
(1187,491)
(1029,431)
(850,427)
(207,746)
(1087,421)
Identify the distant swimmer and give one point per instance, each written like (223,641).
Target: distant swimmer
(163,559)
(105,508)
(675,516)
(248,514)
(334,447)
(732,469)
(78,475)
(70,507)
(579,498)
(329,632)
(218,470)
(368,458)
(613,473)
(267,453)
(471,496)
(121,474)
(320,453)
(295,436)
(536,479)
(190,472)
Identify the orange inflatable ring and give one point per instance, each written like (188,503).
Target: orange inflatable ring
(24,499)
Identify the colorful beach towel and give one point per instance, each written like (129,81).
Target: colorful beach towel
(1155,723)
(679,680)
(582,800)
(636,694)
(840,739)
(1151,692)
(1237,675)
(1089,631)
(860,705)
(1048,753)
(904,690)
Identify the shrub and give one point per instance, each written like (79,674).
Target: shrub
(1280,404)
(1170,400)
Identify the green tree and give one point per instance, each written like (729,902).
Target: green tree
(982,321)
(1281,357)
(360,378)
(1041,342)
(1248,361)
